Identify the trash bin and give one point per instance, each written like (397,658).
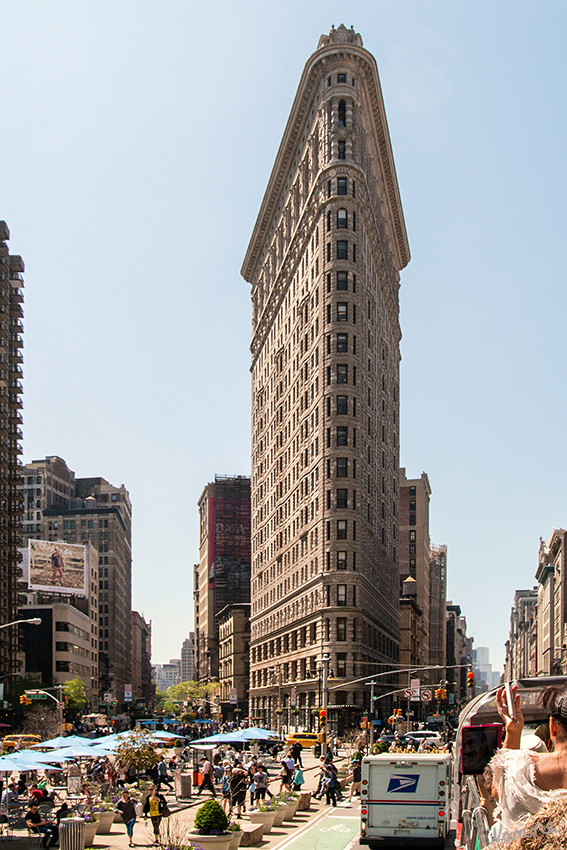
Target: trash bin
(185,786)
(317,750)
(72,834)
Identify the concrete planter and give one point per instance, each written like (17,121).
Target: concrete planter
(291,809)
(265,818)
(90,832)
(213,842)
(105,821)
(279,814)
(236,839)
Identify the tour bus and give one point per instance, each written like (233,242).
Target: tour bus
(477,736)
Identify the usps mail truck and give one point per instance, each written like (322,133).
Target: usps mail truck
(405,799)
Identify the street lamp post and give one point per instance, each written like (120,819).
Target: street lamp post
(34,621)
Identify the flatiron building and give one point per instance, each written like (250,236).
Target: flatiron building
(323,263)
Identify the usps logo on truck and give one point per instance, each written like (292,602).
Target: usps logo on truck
(404,784)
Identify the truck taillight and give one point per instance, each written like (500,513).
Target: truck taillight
(363,812)
(441,813)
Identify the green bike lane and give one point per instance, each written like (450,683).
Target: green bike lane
(335,829)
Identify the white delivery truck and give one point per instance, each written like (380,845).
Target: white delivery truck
(405,799)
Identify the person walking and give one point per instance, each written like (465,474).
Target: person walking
(156,807)
(330,785)
(162,776)
(238,784)
(355,774)
(207,771)
(260,781)
(128,813)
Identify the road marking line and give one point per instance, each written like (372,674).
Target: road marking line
(318,817)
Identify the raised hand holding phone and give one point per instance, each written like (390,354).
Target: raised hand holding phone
(509,709)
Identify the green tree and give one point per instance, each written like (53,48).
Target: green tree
(137,750)
(75,696)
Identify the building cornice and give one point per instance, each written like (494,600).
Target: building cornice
(314,72)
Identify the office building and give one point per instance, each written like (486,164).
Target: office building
(223,573)
(11,359)
(234,660)
(414,553)
(438,608)
(551,642)
(188,658)
(166,675)
(142,686)
(323,263)
(81,511)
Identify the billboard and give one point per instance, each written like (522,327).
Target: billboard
(57,566)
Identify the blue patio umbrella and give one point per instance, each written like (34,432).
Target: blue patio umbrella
(64,741)
(10,763)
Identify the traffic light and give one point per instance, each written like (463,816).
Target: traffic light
(322,718)
(470,679)
(438,693)
(23,699)
(443,693)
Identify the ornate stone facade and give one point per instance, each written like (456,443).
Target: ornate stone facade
(324,262)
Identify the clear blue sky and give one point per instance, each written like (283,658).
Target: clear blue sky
(137,139)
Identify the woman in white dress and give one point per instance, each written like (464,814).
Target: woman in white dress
(524,780)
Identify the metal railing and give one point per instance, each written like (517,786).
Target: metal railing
(475,823)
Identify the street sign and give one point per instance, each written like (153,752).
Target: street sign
(426,696)
(416,687)
(107,696)
(35,695)
(292,697)
(60,706)
(408,692)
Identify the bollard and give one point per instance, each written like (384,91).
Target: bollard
(72,834)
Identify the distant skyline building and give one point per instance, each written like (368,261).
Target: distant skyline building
(222,575)
(188,658)
(166,675)
(11,508)
(324,264)
(61,507)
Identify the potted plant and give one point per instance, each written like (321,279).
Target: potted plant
(105,813)
(178,747)
(237,833)
(91,824)
(279,811)
(211,827)
(265,814)
(292,801)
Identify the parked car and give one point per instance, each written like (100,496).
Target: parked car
(19,742)
(306,739)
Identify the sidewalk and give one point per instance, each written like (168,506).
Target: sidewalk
(183,814)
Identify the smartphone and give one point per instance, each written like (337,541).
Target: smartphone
(511,702)
(478,745)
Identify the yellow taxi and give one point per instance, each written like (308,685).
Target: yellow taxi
(20,742)
(306,739)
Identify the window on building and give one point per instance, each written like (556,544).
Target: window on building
(342,343)
(412,519)
(342,373)
(341,628)
(342,312)
(341,78)
(412,506)
(412,549)
(342,405)
(341,529)
(341,560)
(341,665)
(342,435)
(341,594)
(342,249)
(412,491)
(342,219)
(412,535)
(342,466)
(341,185)
(342,149)
(342,280)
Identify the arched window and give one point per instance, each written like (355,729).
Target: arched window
(342,113)
(342,218)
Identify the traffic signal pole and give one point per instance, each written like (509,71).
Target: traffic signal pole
(324,661)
